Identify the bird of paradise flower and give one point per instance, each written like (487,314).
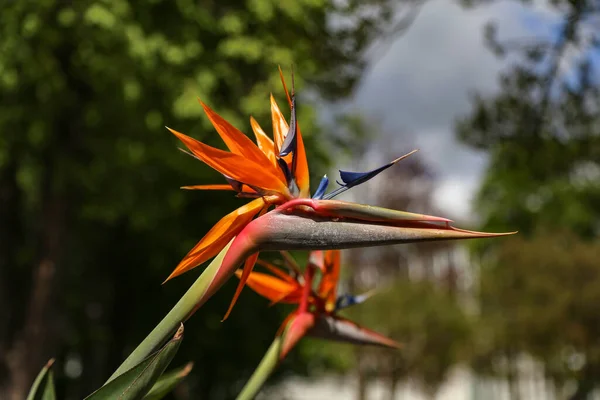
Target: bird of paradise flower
(316,314)
(275,173)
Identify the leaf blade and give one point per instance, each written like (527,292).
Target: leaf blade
(136,382)
(167,382)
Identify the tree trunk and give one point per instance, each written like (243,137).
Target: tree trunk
(10,232)
(393,376)
(30,349)
(361,378)
(513,378)
(35,343)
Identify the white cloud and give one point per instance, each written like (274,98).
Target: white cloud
(422,85)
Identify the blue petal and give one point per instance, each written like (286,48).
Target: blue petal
(322,188)
(289,144)
(351,179)
(344,301)
(347,300)
(286,170)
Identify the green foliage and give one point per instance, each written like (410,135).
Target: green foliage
(43,386)
(139,380)
(541,131)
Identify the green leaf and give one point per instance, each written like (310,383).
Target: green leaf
(43,386)
(167,382)
(136,382)
(184,308)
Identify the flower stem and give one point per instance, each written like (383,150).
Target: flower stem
(263,371)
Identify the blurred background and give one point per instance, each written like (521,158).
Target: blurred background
(501,97)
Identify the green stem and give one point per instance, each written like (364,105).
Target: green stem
(263,371)
(185,308)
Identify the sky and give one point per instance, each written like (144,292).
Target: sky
(422,84)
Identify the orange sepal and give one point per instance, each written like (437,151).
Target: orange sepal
(245,189)
(289,99)
(331,275)
(207,187)
(293,297)
(280,126)
(302,175)
(271,287)
(239,143)
(275,270)
(234,165)
(248,265)
(218,236)
(264,142)
(297,328)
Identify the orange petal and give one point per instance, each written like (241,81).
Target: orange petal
(280,125)
(239,143)
(297,328)
(289,99)
(292,297)
(265,144)
(302,174)
(275,270)
(207,187)
(268,286)
(248,265)
(219,235)
(234,165)
(245,189)
(331,275)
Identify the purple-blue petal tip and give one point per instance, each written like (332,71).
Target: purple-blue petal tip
(320,192)
(351,179)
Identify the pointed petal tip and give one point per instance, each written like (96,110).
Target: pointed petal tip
(433,218)
(186,369)
(484,234)
(404,156)
(246,271)
(176,272)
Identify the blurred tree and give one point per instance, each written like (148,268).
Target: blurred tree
(542,129)
(431,325)
(539,297)
(91,220)
(542,133)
